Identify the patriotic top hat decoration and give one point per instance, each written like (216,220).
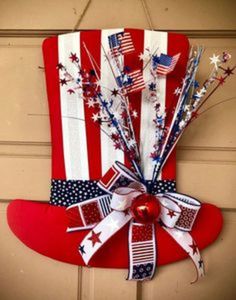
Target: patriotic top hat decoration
(119,101)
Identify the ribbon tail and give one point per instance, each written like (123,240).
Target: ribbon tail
(101,233)
(142,251)
(185,240)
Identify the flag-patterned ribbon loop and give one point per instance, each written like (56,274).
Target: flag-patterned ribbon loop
(106,215)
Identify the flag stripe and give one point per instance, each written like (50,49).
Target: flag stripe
(133,63)
(173,81)
(108,153)
(92,42)
(105,205)
(72,110)
(155,41)
(88,152)
(51,59)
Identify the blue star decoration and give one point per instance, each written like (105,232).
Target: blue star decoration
(200,262)
(196,84)
(81,249)
(152,86)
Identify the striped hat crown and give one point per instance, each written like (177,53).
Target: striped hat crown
(81,148)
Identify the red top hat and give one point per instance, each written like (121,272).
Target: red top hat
(82,153)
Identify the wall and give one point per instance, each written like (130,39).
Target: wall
(206,153)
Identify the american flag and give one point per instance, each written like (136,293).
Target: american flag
(166,64)
(121,43)
(132,82)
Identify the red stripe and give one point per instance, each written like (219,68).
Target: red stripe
(134,63)
(176,44)
(92,39)
(50,52)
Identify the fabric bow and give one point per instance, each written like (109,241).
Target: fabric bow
(107,214)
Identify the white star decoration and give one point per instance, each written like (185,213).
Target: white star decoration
(113,224)
(177,91)
(121,205)
(90,102)
(215,60)
(132,142)
(95,117)
(143,56)
(134,114)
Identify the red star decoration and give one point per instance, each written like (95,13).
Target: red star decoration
(221,80)
(117,145)
(126,212)
(194,114)
(70,91)
(95,238)
(153,155)
(171,213)
(124,114)
(115,137)
(60,66)
(157,106)
(228,71)
(63,81)
(194,247)
(73,57)
(114,92)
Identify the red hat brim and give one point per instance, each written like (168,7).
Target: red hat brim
(42,227)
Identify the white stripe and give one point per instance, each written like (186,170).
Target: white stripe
(73,130)
(152,40)
(108,153)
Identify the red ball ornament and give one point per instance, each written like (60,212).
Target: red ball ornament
(145,208)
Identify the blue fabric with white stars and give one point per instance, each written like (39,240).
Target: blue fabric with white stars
(68,192)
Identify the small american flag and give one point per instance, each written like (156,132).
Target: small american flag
(132,82)
(166,64)
(121,43)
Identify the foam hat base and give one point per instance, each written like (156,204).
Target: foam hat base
(42,227)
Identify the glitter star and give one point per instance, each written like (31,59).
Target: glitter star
(221,80)
(95,117)
(73,57)
(115,137)
(60,66)
(114,92)
(215,60)
(152,86)
(95,238)
(70,91)
(63,81)
(177,91)
(134,114)
(228,71)
(143,56)
(196,84)
(90,102)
